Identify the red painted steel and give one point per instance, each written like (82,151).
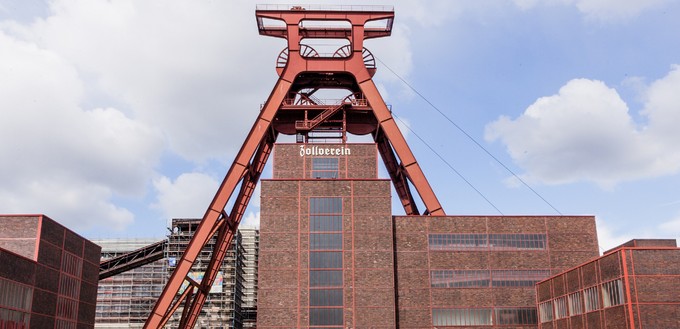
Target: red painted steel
(302,71)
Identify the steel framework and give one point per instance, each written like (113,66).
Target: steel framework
(292,108)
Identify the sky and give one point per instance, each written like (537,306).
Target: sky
(116,116)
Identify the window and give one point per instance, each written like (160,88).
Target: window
(15,304)
(325,241)
(461,317)
(325,262)
(325,297)
(325,223)
(457,241)
(325,167)
(460,278)
(545,311)
(328,278)
(325,206)
(516,316)
(325,259)
(517,241)
(561,307)
(575,304)
(325,316)
(612,293)
(592,299)
(486,278)
(472,242)
(517,278)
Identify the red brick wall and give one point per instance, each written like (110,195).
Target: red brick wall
(571,240)
(45,274)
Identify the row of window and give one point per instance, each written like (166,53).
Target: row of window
(483,316)
(486,278)
(325,261)
(586,300)
(473,241)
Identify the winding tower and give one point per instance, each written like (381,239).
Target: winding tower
(293,109)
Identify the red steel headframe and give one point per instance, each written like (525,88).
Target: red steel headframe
(298,71)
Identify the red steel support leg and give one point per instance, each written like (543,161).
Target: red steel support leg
(228,229)
(206,229)
(408,161)
(396,173)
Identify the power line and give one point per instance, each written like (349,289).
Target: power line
(448,164)
(468,136)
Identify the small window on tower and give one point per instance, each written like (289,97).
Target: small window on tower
(325,167)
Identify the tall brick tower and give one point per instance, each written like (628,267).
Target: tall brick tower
(326,252)
(338,209)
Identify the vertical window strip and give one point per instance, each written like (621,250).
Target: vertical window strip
(592,299)
(612,293)
(561,307)
(325,262)
(575,303)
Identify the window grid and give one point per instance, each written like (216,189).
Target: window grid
(473,242)
(461,317)
(325,167)
(516,316)
(486,278)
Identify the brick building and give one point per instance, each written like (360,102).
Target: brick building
(636,285)
(332,255)
(48,276)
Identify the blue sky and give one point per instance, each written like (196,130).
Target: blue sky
(117,116)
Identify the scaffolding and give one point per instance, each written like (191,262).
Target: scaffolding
(250,239)
(125,300)
(222,308)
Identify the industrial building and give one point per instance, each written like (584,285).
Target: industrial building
(48,277)
(333,255)
(635,285)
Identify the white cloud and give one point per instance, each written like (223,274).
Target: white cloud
(608,238)
(585,133)
(187,197)
(178,66)
(58,158)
